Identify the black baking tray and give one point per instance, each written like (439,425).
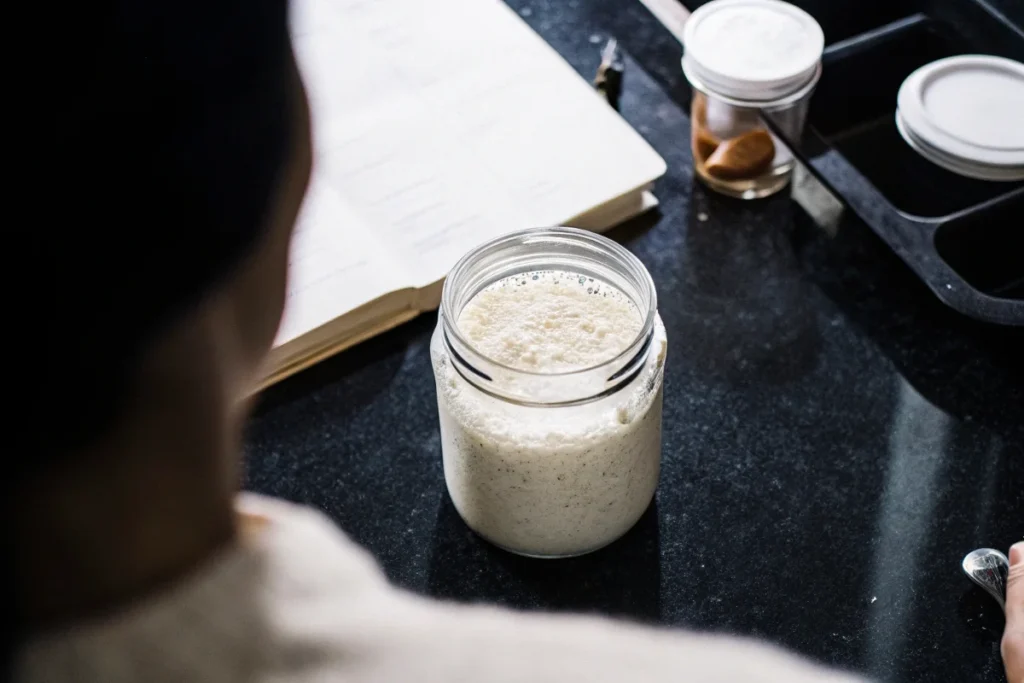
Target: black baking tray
(963,237)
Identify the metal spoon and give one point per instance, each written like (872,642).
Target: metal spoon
(988,568)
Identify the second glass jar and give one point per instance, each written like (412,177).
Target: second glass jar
(750,63)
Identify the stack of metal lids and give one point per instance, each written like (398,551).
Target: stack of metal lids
(966,114)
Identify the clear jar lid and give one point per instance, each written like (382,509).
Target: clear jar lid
(966,114)
(754,50)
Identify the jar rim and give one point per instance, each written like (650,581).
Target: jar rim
(596,242)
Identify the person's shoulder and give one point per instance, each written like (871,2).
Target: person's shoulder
(333,614)
(304,551)
(503,646)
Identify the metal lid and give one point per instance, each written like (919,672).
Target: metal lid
(752,49)
(966,114)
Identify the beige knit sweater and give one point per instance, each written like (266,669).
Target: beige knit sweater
(299,602)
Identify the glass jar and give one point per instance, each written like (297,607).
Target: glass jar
(550,464)
(748,61)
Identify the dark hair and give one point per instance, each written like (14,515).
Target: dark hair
(168,127)
(155,150)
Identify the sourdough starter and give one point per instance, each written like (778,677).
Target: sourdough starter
(544,480)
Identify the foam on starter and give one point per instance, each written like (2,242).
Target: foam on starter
(551,481)
(550,321)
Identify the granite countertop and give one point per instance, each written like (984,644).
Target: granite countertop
(835,439)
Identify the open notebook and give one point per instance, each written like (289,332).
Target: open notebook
(437,126)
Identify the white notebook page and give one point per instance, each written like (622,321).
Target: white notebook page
(438,125)
(332,270)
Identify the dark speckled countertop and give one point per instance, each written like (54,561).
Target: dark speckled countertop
(835,440)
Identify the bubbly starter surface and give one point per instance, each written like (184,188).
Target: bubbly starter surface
(551,481)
